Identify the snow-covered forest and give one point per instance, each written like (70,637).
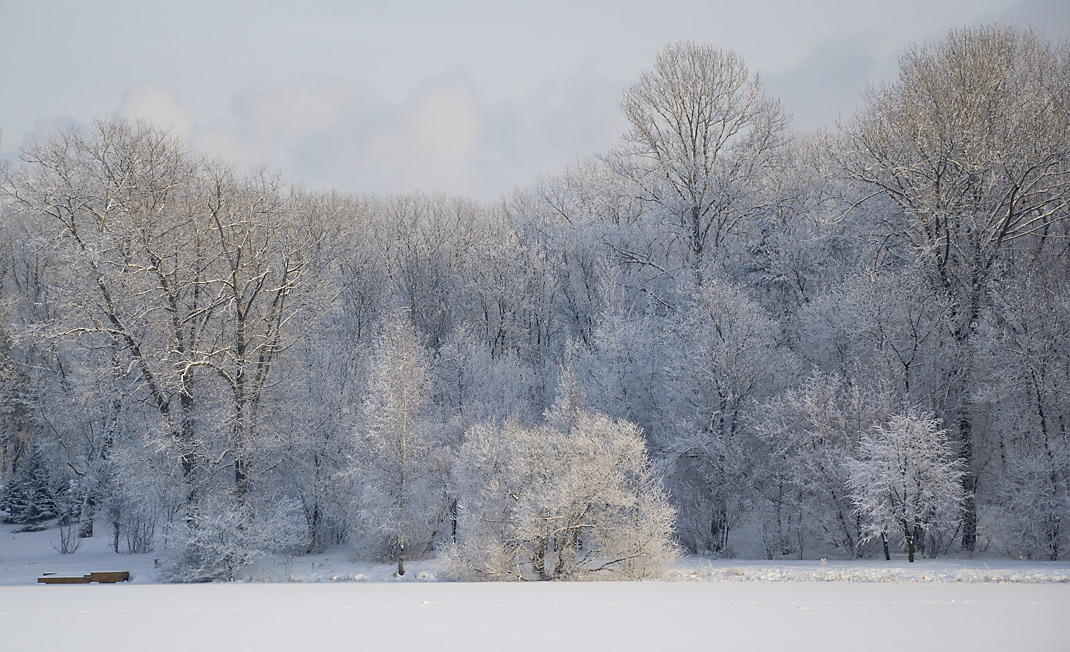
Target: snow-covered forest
(724,336)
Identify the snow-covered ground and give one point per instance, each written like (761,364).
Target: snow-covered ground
(26,556)
(810,605)
(796,616)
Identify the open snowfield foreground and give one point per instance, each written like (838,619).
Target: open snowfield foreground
(330,601)
(579,616)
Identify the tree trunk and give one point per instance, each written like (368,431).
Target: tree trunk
(969,486)
(1051,517)
(315,543)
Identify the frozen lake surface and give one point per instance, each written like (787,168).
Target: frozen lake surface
(576,616)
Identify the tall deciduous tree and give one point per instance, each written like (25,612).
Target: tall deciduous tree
(720,358)
(259,262)
(115,197)
(703,135)
(401,471)
(972,141)
(1027,341)
(179,267)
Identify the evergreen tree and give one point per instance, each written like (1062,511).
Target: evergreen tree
(30,497)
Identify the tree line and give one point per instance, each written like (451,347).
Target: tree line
(722,333)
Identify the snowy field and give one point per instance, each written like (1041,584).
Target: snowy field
(332,602)
(597,616)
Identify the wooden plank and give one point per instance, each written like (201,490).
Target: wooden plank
(107,577)
(110,577)
(64,580)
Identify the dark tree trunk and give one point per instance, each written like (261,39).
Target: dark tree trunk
(910,543)
(969,486)
(315,541)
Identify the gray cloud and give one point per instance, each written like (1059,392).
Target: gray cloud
(1049,17)
(470,98)
(441,136)
(826,84)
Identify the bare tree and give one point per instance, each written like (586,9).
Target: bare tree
(703,135)
(260,255)
(421,241)
(1027,341)
(720,357)
(115,198)
(972,142)
(401,472)
(189,272)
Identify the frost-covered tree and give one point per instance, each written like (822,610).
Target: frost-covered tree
(720,356)
(1026,345)
(326,380)
(907,480)
(30,495)
(117,201)
(260,252)
(421,242)
(505,281)
(972,142)
(12,409)
(889,323)
(472,385)
(574,498)
(811,432)
(85,420)
(313,403)
(623,369)
(224,538)
(583,218)
(400,466)
(703,135)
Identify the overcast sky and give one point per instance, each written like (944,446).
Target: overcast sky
(470,98)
